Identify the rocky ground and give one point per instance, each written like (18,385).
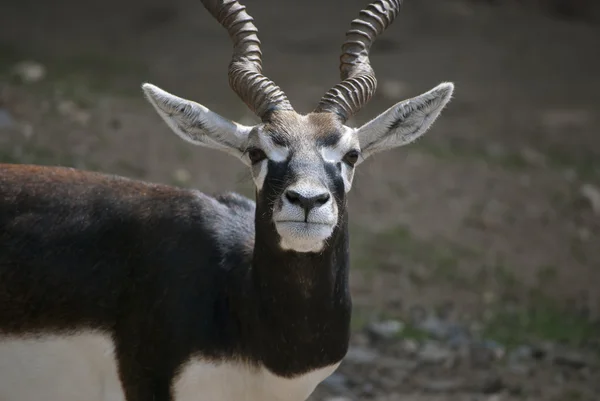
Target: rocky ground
(434,359)
(476,256)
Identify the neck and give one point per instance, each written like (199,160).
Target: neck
(303,301)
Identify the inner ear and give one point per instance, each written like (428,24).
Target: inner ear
(404,122)
(197,124)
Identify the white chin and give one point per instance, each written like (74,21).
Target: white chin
(303,237)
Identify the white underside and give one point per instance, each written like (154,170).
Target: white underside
(82,368)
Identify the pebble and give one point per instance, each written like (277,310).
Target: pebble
(361,355)
(570,359)
(410,346)
(367,390)
(533,157)
(182,176)
(442,386)
(72,111)
(432,352)
(495,348)
(435,327)
(385,330)
(520,369)
(30,71)
(521,353)
(337,382)
(563,119)
(6,119)
(592,194)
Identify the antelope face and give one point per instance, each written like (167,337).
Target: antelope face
(302,165)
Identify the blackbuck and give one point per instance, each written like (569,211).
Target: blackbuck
(116,289)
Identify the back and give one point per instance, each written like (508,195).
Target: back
(71,241)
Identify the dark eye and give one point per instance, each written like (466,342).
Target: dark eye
(351,157)
(256,155)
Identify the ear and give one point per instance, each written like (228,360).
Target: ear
(197,124)
(404,122)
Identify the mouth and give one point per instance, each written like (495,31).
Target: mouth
(303,236)
(302,223)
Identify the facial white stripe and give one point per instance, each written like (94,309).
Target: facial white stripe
(259,179)
(334,154)
(273,151)
(347,174)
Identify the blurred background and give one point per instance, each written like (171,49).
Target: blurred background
(476,251)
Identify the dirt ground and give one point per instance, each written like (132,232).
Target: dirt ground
(490,224)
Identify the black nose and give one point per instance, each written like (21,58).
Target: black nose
(306,202)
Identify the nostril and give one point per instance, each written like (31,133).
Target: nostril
(293,197)
(322,199)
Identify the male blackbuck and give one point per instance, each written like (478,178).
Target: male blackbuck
(146,292)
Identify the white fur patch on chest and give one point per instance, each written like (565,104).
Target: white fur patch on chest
(82,367)
(206,381)
(59,368)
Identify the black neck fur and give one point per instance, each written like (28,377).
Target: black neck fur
(302,303)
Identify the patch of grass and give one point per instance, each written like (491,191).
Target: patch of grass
(9,55)
(35,154)
(396,248)
(98,73)
(572,394)
(360,318)
(129,169)
(542,319)
(79,75)
(585,163)
(546,274)
(414,333)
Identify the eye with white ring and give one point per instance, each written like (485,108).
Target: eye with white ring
(351,157)
(256,155)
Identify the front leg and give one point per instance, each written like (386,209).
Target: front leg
(141,381)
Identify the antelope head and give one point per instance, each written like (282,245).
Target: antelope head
(302,165)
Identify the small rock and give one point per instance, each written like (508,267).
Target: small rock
(417,314)
(182,175)
(367,390)
(492,385)
(27,130)
(435,326)
(495,150)
(495,348)
(432,352)
(520,369)
(592,194)
(533,157)
(5,118)
(570,359)
(396,364)
(521,353)
(570,174)
(441,386)
(482,356)
(361,355)
(71,110)
(584,234)
(410,346)
(563,119)
(30,71)
(337,382)
(385,330)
